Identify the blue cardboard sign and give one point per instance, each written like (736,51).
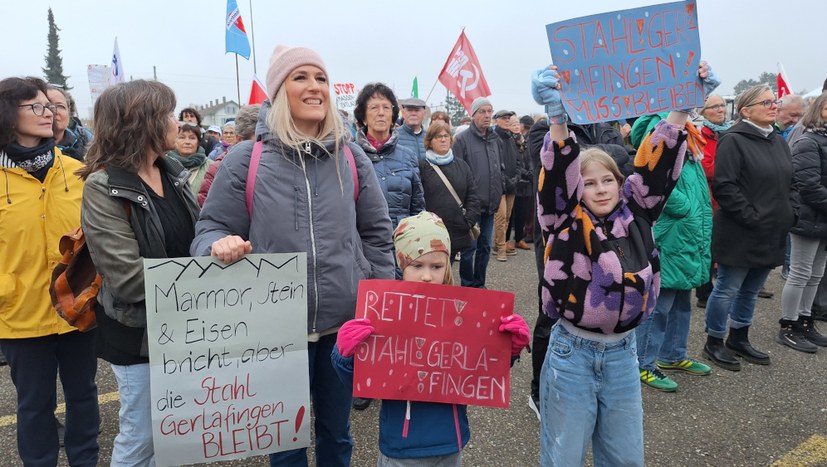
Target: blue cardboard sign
(628,63)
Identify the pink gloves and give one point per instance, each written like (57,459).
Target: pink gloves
(520,334)
(354,332)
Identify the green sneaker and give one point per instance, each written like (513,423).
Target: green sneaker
(693,367)
(656,379)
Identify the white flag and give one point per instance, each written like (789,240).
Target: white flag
(116,68)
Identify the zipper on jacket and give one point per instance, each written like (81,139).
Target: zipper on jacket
(312,238)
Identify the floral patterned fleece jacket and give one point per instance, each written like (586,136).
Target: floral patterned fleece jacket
(603,276)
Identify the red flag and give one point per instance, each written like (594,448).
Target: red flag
(462,74)
(783,87)
(258,93)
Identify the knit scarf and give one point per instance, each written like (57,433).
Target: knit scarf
(819,131)
(436,159)
(718,129)
(695,140)
(35,160)
(190,162)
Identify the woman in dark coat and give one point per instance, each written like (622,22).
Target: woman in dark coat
(752,185)
(809,236)
(458,218)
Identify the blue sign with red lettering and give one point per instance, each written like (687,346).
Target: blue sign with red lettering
(628,63)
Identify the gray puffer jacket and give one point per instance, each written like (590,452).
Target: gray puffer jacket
(303,202)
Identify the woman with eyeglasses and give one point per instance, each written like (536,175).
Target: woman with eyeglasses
(752,186)
(71,144)
(458,218)
(40,202)
(713,125)
(808,253)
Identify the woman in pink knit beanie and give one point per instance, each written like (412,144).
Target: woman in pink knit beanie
(301,187)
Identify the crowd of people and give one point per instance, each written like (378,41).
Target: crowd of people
(626,219)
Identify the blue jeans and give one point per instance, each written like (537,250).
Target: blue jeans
(35,365)
(733,297)
(664,335)
(473,261)
(331,408)
(133,444)
(590,391)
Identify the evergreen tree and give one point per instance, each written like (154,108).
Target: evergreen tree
(54,63)
(454,109)
(764,78)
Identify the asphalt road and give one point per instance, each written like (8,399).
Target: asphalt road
(759,416)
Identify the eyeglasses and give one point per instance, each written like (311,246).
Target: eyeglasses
(716,107)
(38,108)
(767,103)
(61,108)
(442,137)
(376,108)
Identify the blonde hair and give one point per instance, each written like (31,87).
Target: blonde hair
(747,98)
(280,122)
(599,156)
(449,275)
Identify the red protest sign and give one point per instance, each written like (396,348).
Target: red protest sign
(433,343)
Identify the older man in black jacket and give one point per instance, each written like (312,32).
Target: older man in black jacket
(480,148)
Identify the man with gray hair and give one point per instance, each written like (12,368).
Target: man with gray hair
(480,148)
(790,111)
(411,132)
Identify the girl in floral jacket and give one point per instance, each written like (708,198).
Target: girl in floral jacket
(601,279)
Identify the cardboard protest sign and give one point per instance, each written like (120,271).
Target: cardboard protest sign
(345,96)
(433,343)
(628,63)
(228,356)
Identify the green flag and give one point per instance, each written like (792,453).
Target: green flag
(415,90)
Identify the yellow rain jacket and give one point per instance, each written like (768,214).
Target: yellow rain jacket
(33,217)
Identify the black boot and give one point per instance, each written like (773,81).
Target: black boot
(719,355)
(791,335)
(360,403)
(738,342)
(810,331)
(819,313)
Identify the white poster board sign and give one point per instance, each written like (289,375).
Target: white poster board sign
(345,96)
(98,80)
(228,356)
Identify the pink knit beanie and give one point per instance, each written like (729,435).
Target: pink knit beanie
(286,59)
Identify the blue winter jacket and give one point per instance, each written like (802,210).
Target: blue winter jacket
(398,172)
(413,141)
(432,428)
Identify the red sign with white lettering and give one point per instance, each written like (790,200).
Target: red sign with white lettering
(433,343)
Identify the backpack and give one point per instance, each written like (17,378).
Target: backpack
(252,171)
(75,281)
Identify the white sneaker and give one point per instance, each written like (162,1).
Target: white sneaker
(534,405)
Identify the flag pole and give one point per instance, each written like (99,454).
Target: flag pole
(252,39)
(437,78)
(237,86)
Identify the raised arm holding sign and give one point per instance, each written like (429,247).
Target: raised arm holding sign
(628,63)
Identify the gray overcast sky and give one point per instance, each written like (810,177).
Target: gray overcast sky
(363,41)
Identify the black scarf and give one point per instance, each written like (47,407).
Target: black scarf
(36,160)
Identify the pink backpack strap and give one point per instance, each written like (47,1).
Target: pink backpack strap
(352,163)
(252,171)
